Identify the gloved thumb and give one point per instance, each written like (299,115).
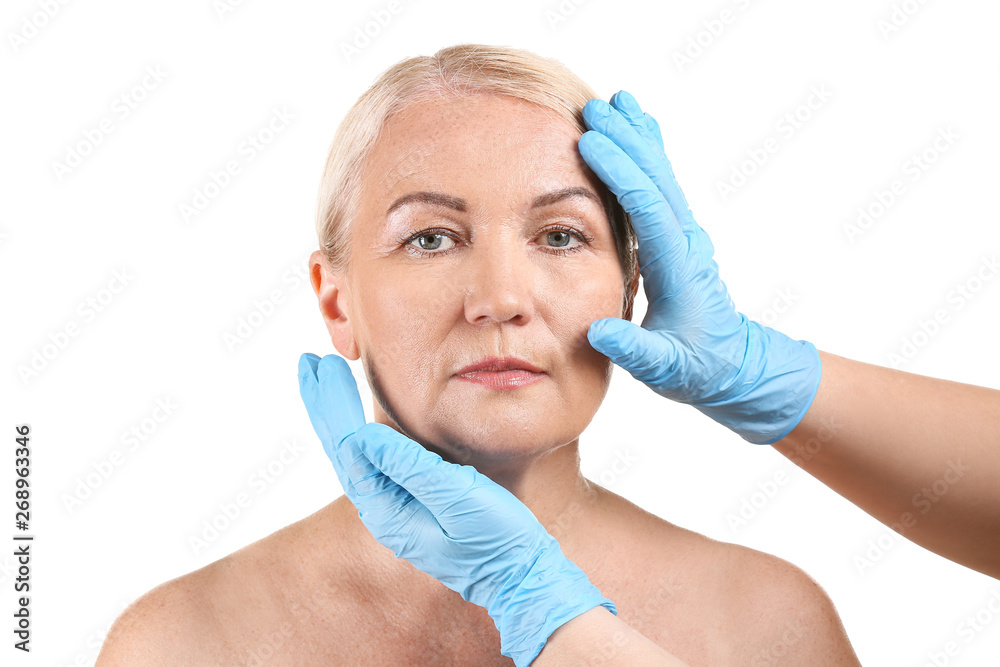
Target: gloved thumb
(647,355)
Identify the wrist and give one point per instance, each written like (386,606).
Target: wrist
(552,591)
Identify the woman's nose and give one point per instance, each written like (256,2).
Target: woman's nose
(502,285)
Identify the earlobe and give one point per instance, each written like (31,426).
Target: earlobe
(333,299)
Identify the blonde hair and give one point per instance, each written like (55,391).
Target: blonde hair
(463,69)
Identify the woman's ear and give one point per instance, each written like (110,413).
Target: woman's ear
(334,297)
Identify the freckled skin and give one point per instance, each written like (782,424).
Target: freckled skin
(500,289)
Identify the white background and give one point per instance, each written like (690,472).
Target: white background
(191,283)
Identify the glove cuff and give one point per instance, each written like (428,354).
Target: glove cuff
(553,591)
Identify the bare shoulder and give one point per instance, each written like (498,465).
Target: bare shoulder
(165,626)
(789,618)
(262,600)
(714,602)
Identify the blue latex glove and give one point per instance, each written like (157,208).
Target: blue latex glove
(693,346)
(448,520)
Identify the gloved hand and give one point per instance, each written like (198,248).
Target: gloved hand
(693,346)
(448,520)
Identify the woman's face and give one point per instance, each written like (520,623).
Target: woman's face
(480,233)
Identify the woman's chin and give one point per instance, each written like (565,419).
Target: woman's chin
(485,445)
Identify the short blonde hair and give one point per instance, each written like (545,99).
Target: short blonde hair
(463,69)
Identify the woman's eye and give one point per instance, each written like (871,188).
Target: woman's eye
(437,243)
(431,241)
(559,238)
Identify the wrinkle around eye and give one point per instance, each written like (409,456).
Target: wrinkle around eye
(581,216)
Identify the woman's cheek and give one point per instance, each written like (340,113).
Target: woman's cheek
(600,295)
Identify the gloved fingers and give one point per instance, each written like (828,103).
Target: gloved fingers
(312,397)
(372,491)
(660,237)
(649,356)
(626,105)
(331,398)
(310,392)
(334,405)
(653,128)
(647,127)
(602,117)
(340,390)
(383,505)
(339,396)
(412,532)
(435,483)
(365,479)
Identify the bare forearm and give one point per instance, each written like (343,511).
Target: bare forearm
(920,454)
(600,637)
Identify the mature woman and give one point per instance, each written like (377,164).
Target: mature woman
(461,233)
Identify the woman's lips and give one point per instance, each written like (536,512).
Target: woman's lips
(502,380)
(500,364)
(501,373)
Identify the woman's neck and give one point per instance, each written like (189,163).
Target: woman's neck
(550,485)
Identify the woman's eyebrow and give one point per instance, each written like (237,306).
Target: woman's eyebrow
(459,204)
(565,193)
(435,198)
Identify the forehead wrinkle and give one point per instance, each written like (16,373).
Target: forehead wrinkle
(407,164)
(486,133)
(418,160)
